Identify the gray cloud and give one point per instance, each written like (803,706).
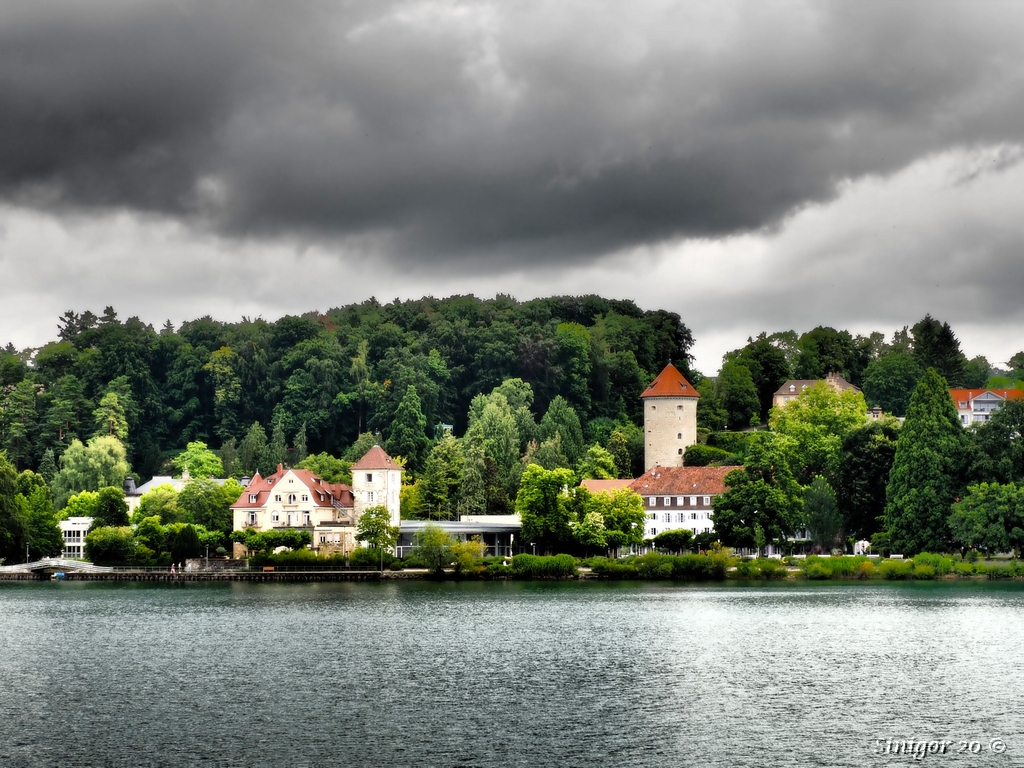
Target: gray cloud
(498,134)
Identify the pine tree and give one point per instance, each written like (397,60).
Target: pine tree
(822,514)
(409,430)
(927,472)
(299,450)
(276,451)
(251,450)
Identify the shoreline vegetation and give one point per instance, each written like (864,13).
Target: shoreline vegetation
(653,566)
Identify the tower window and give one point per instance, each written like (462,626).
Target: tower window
(679,435)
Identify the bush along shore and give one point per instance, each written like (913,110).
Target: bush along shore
(656,566)
(712,566)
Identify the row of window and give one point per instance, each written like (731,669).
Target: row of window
(681,517)
(654,531)
(666,501)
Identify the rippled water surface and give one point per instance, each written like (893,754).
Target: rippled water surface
(531,674)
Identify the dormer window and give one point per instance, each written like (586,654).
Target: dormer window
(792,387)
(252,498)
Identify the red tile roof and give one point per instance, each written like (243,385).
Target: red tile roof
(321,493)
(376,458)
(681,481)
(670,383)
(966,395)
(605,486)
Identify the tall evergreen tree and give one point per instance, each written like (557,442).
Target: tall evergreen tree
(409,430)
(299,450)
(935,346)
(252,449)
(928,470)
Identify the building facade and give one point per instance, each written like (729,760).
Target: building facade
(377,482)
(975,406)
(297,498)
(680,497)
(670,419)
(792,389)
(73,531)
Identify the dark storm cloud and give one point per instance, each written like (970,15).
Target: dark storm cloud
(490,131)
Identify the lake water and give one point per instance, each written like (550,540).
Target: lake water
(498,674)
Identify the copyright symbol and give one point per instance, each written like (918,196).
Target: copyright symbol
(998,746)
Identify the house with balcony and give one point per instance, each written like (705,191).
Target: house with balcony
(297,498)
(976,406)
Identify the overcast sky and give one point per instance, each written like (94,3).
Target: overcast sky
(752,166)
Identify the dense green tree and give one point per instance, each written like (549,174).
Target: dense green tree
(251,450)
(375,529)
(408,431)
(589,531)
(276,452)
(818,421)
(329,468)
(111,508)
(765,492)
(19,421)
(110,418)
(12,522)
(184,544)
(562,419)
(208,503)
(441,475)
(433,547)
(544,508)
(989,517)
(821,513)
(769,370)
(935,346)
(199,460)
(161,502)
(889,382)
(711,412)
(867,457)
(928,470)
(738,395)
(48,466)
(624,516)
(300,450)
(110,545)
(598,464)
(101,463)
(824,350)
(676,542)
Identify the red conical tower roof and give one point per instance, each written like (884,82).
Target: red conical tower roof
(670,383)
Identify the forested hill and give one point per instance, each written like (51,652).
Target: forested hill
(335,374)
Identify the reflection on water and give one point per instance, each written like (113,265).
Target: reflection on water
(502,674)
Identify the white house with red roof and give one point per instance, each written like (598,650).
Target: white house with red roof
(680,497)
(670,418)
(297,498)
(976,406)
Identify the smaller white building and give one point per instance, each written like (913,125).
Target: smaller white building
(73,532)
(977,406)
(377,482)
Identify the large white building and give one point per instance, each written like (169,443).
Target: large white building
(680,497)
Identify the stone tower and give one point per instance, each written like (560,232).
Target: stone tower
(377,481)
(670,419)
